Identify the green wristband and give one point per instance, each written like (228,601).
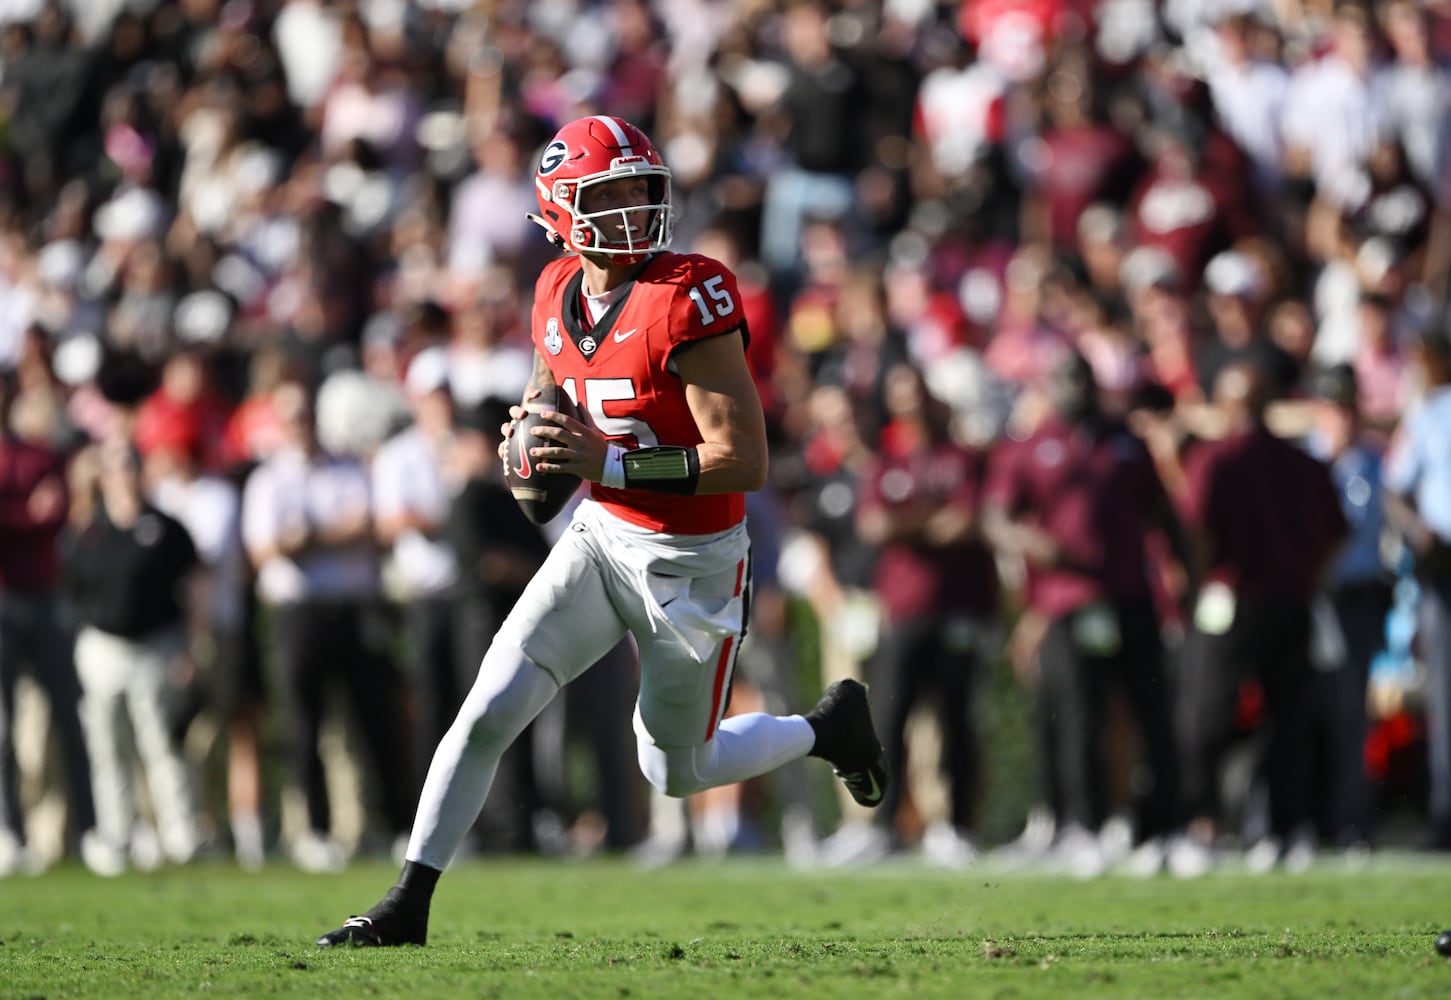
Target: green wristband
(663,469)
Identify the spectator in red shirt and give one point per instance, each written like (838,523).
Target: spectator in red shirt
(1076,502)
(255,430)
(184,405)
(33,629)
(1268,520)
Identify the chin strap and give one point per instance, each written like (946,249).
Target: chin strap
(554,237)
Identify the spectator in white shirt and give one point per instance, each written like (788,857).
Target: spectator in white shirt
(1331,122)
(209,507)
(482,363)
(487,222)
(308,528)
(1413,92)
(308,35)
(1249,98)
(415,480)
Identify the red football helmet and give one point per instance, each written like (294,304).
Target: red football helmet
(591,151)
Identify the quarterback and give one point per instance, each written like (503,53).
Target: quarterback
(650,347)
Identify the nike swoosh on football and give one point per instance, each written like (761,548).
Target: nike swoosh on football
(524,469)
(622,337)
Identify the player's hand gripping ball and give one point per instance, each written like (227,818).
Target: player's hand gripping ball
(541,495)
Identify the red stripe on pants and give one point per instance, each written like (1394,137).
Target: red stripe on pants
(722,667)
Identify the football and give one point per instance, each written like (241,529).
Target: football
(1443,943)
(541,495)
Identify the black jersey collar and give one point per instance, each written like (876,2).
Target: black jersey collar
(586,336)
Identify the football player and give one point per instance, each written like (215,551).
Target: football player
(650,346)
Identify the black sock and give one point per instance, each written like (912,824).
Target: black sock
(816,746)
(415,886)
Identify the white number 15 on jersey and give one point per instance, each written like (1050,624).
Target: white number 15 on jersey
(598,392)
(724,303)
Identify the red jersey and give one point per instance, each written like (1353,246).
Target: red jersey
(620,370)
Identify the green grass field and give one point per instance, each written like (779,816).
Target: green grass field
(752,928)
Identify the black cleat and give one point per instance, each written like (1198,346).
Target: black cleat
(847,740)
(384,926)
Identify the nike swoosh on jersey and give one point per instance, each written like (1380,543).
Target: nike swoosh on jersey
(620,338)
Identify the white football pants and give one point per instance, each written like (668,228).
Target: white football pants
(684,598)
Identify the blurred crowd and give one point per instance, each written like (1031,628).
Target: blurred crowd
(1105,342)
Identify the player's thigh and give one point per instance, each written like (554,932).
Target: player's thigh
(564,621)
(685,669)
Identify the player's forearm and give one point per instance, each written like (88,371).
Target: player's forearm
(702,470)
(728,470)
(722,398)
(540,378)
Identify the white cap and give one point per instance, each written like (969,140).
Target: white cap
(1100,223)
(77,359)
(202,317)
(1147,266)
(427,372)
(60,264)
(1234,273)
(382,329)
(135,214)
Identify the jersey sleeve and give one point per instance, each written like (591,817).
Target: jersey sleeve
(706,303)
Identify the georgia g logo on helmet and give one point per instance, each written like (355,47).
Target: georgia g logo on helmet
(554,155)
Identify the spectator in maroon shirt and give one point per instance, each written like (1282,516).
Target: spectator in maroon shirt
(1268,521)
(1076,502)
(937,587)
(1082,159)
(1194,198)
(33,630)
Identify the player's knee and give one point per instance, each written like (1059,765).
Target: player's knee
(674,772)
(481,733)
(508,693)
